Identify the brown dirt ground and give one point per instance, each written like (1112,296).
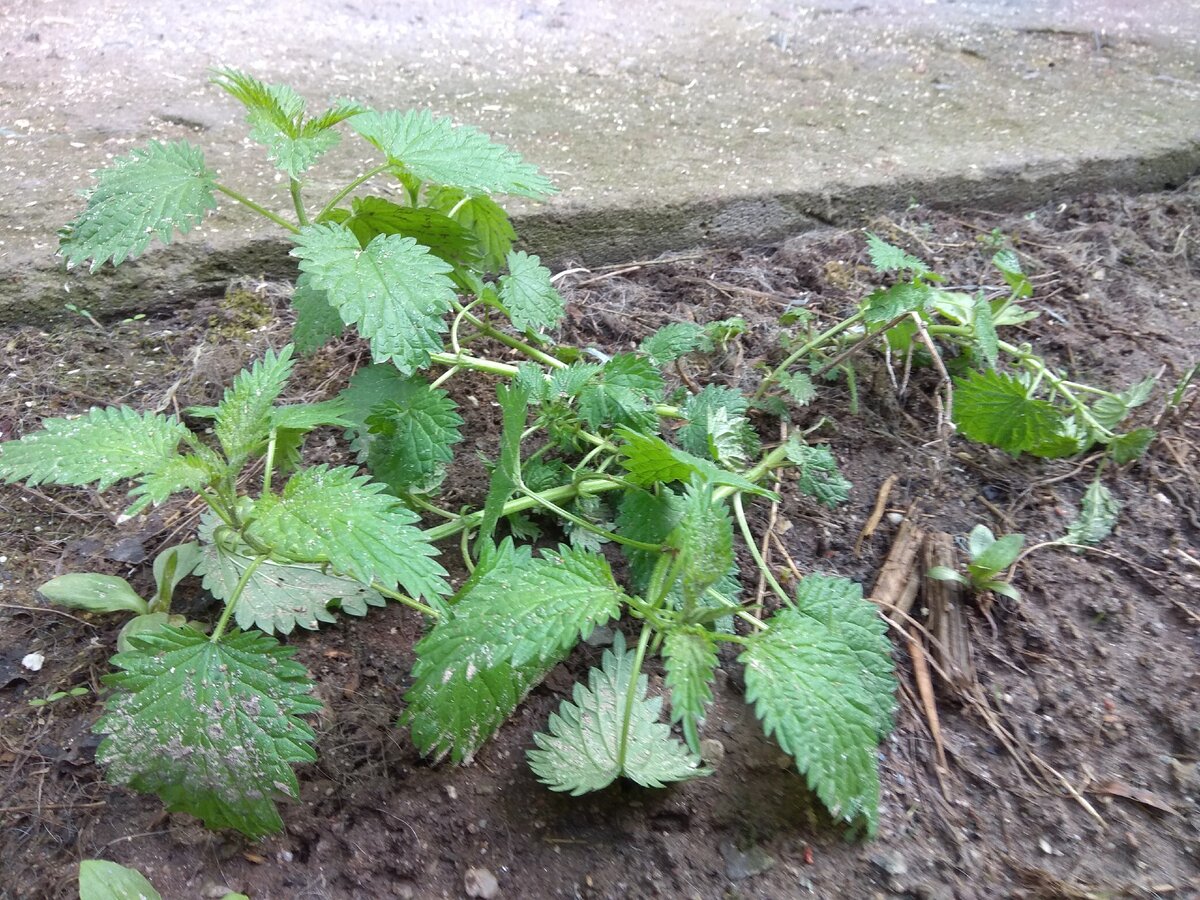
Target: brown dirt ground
(1087,688)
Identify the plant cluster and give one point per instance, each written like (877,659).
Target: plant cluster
(596,451)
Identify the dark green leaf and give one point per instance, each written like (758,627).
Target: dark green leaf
(484,218)
(624,393)
(994,408)
(673,341)
(514,404)
(887,257)
(886,304)
(317,322)
(691,662)
(820,477)
(532,300)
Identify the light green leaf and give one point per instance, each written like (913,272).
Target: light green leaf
(589,745)
(1010,267)
(243,419)
(1097,516)
(145,624)
(691,663)
(532,300)
(95,593)
(623,393)
(103,446)
(517,619)
(1111,411)
(650,460)
(717,427)
(994,408)
(279,596)
(484,218)
(798,386)
(394,290)
(821,682)
(317,322)
(435,150)
(304,417)
(180,473)
(150,193)
(411,437)
(987,343)
(820,476)
(100,879)
(703,539)
(445,238)
(170,567)
(673,341)
(222,719)
(1126,448)
(336,516)
(886,304)
(887,257)
(514,404)
(996,556)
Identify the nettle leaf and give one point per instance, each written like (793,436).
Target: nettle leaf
(887,257)
(820,477)
(280,596)
(717,427)
(317,322)
(994,408)
(436,150)
(514,406)
(570,382)
(589,745)
(821,682)
(394,290)
(516,621)
(484,218)
(339,517)
(243,419)
(445,238)
(704,539)
(1010,267)
(1126,448)
(411,436)
(987,343)
(690,658)
(886,304)
(100,879)
(1111,411)
(150,193)
(650,460)
(210,727)
(102,446)
(623,393)
(179,473)
(532,300)
(798,386)
(673,341)
(1097,516)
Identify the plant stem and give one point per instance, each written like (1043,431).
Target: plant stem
(631,694)
(405,599)
(261,210)
(340,195)
(232,600)
(509,341)
(301,215)
(475,363)
(586,525)
(819,341)
(554,495)
(269,462)
(740,513)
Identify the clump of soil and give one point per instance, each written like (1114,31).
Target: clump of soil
(1071,762)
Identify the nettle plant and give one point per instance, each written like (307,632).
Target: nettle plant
(210,717)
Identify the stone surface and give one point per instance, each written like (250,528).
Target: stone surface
(666,124)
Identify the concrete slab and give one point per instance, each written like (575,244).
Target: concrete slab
(666,123)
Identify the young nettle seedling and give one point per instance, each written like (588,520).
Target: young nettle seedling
(212,719)
(989,558)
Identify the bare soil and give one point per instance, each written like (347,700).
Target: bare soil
(1072,762)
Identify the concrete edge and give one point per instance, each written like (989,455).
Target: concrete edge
(34,293)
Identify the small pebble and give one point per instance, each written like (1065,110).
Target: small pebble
(33,661)
(481,883)
(451,792)
(895,518)
(891,862)
(712,752)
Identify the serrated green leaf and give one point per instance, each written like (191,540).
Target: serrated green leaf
(994,408)
(180,473)
(1126,448)
(304,417)
(673,341)
(514,406)
(435,150)
(1111,411)
(222,719)
(317,322)
(394,290)
(243,420)
(517,620)
(94,593)
(280,596)
(532,300)
(820,477)
(887,257)
(412,437)
(885,304)
(987,343)
(798,386)
(821,682)
(1097,516)
(717,427)
(445,238)
(1010,267)
(150,193)
(339,517)
(703,539)
(690,658)
(484,218)
(102,446)
(623,393)
(589,744)
(571,381)
(650,460)
(100,879)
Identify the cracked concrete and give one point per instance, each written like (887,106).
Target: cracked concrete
(665,124)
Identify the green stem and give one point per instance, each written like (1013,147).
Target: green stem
(422,503)
(773,460)
(475,363)
(232,600)
(819,341)
(1061,386)
(269,463)
(301,215)
(261,210)
(509,341)
(405,599)
(740,513)
(631,694)
(585,524)
(340,195)
(554,495)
